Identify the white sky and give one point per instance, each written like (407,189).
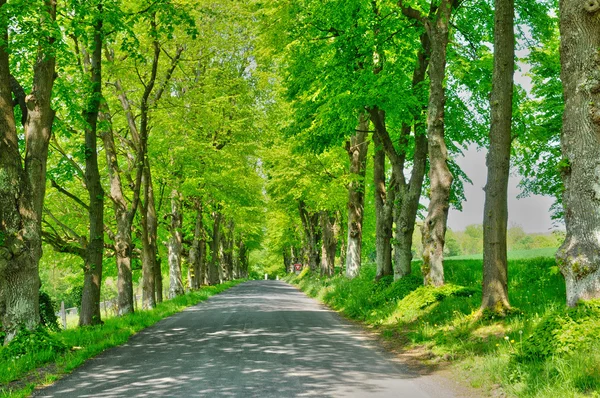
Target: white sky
(532,213)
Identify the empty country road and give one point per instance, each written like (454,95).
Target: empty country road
(258,339)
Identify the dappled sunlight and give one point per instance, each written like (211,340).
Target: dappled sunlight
(260,339)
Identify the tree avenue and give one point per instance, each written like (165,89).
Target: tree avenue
(150,148)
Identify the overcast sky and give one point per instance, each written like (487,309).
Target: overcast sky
(531,213)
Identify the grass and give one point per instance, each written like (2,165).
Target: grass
(21,373)
(542,349)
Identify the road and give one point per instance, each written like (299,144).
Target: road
(258,339)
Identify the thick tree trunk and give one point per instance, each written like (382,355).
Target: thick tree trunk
(495,211)
(92,282)
(22,189)
(434,226)
(228,252)
(175,282)
(152,223)
(123,250)
(357,151)
(579,255)
(328,244)
(383,212)
(213,266)
(148,250)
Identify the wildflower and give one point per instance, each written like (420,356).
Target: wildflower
(512,341)
(506,338)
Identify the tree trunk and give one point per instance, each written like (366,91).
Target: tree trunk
(123,242)
(213,266)
(175,282)
(228,252)
(310,222)
(243,256)
(434,226)
(92,282)
(196,251)
(342,236)
(495,211)
(22,189)
(579,255)
(383,212)
(357,151)
(328,244)
(148,250)
(158,280)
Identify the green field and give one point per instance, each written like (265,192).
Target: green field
(514,254)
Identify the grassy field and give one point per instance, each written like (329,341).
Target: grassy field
(39,358)
(514,255)
(542,349)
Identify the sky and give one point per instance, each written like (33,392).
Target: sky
(531,213)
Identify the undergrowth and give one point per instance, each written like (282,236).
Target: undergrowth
(541,349)
(21,360)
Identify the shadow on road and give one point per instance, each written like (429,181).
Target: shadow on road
(259,339)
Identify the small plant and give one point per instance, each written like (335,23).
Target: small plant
(32,341)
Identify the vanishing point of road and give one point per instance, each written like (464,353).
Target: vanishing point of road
(258,339)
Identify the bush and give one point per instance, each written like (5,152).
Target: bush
(48,312)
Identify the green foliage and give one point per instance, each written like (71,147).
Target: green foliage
(32,341)
(48,317)
(564,332)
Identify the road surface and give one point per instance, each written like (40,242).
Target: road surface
(258,339)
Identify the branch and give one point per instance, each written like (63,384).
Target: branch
(19,94)
(411,12)
(73,163)
(169,74)
(69,194)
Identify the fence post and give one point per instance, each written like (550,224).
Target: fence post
(63,314)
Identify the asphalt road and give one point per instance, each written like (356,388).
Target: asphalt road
(258,339)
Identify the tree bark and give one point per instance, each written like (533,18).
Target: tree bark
(148,250)
(92,283)
(495,211)
(123,242)
(357,151)
(213,266)
(310,222)
(196,252)
(383,212)
(243,258)
(175,282)
(579,255)
(22,189)
(434,226)
(328,243)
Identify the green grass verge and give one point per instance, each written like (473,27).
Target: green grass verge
(21,372)
(542,349)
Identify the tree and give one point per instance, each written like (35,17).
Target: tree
(579,255)
(23,182)
(495,211)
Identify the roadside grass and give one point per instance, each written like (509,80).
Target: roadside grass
(541,349)
(38,360)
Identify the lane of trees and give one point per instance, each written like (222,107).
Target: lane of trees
(165,143)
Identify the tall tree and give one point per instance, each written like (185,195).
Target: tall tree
(175,282)
(384,200)
(495,211)
(437,26)
(357,148)
(90,300)
(579,255)
(23,183)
